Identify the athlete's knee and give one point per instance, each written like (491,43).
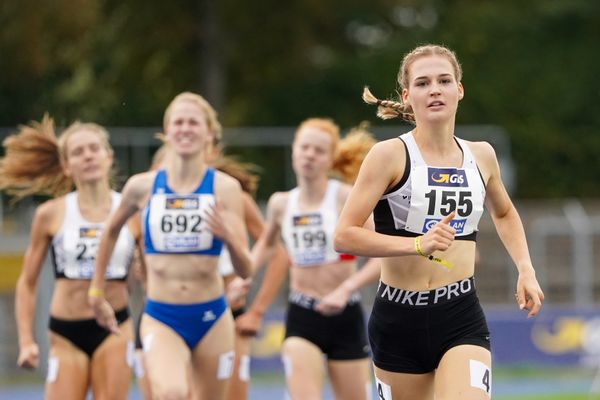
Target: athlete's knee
(170,393)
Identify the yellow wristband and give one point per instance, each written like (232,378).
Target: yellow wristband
(418,247)
(446,264)
(95,292)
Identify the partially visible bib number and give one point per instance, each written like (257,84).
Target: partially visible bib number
(82,258)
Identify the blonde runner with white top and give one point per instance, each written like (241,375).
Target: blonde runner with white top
(83,355)
(426,190)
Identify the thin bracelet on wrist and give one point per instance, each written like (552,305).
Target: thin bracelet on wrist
(418,247)
(446,264)
(95,292)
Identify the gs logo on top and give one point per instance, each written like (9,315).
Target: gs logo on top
(182,203)
(447,177)
(89,233)
(308,220)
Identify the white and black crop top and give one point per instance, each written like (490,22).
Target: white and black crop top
(426,194)
(75,244)
(308,236)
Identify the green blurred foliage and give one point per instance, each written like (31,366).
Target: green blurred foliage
(528,66)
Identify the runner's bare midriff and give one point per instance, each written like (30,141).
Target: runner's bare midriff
(418,273)
(183,278)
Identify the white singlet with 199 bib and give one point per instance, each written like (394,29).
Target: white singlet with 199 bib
(308,235)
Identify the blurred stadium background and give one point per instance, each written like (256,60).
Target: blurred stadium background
(530,76)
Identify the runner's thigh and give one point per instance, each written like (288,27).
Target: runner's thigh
(350,378)
(464,373)
(68,370)
(212,362)
(167,360)
(303,364)
(400,386)
(111,365)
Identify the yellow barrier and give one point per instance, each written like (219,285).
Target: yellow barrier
(269,344)
(10,268)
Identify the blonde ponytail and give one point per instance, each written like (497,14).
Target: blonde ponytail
(32,162)
(388,109)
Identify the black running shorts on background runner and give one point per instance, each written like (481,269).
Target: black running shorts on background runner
(409,332)
(85,334)
(340,337)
